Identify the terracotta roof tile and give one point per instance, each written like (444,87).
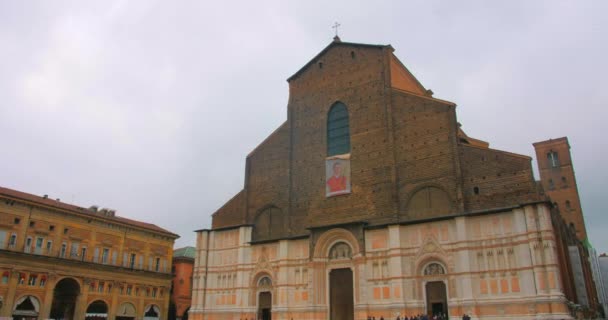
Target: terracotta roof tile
(79,210)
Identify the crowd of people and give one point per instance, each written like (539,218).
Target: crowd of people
(438,316)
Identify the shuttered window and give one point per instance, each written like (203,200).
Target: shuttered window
(338,130)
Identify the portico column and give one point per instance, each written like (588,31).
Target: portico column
(140,307)
(47,303)
(113,307)
(7,308)
(81,301)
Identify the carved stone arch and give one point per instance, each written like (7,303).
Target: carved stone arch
(427,259)
(331,237)
(428,201)
(79,281)
(262,274)
(268,223)
(256,288)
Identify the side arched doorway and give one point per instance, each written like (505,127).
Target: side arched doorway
(152,312)
(65,295)
(26,308)
(126,311)
(264,298)
(97,310)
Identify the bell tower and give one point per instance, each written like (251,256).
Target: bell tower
(559,181)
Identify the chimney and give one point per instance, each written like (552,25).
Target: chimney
(46,196)
(94,208)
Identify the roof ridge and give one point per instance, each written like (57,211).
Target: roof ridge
(79,210)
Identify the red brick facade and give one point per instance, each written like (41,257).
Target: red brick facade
(559,182)
(406,146)
(416,179)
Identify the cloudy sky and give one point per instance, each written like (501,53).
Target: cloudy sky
(150,107)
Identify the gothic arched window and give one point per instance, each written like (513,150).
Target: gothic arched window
(338,130)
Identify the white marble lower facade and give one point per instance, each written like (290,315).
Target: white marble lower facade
(493,266)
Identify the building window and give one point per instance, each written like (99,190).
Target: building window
(104,255)
(129,288)
(83,253)
(154,290)
(32,280)
(17,220)
(100,287)
(132,261)
(157,266)
(553,160)
(12,241)
(64,248)
(39,244)
(21,278)
(42,281)
(338,130)
(5,277)
(551,184)
(32,224)
(74,250)
(568,207)
(92,287)
(49,246)
(564,182)
(28,245)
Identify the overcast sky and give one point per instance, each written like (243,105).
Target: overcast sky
(150,107)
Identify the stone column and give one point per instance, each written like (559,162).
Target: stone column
(140,306)
(113,307)
(47,303)
(7,308)
(164,312)
(81,301)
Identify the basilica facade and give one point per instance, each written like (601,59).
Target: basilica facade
(371,201)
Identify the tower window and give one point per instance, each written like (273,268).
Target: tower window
(338,130)
(551,184)
(553,160)
(568,206)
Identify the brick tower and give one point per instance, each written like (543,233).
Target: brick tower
(558,180)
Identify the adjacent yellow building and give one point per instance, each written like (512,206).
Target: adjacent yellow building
(60,261)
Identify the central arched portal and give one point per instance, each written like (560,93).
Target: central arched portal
(65,295)
(341,294)
(436,298)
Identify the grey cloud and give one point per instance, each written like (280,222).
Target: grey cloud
(150,107)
